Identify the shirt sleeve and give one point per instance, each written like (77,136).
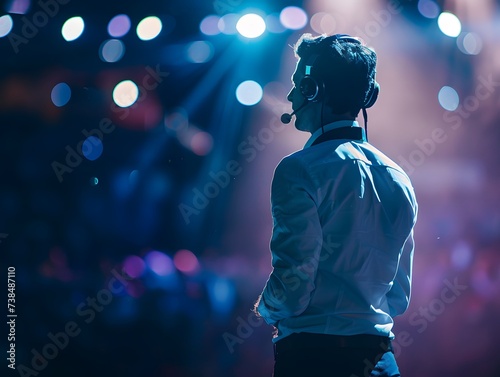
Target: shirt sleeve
(295,244)
(398,296)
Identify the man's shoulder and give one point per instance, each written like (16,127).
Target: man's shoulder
(377,157)
(338,153)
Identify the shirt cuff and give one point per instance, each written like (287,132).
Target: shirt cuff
(265,313)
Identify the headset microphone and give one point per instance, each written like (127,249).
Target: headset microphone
(286,118)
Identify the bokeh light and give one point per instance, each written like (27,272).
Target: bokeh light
(201,143)
(149,28)
(222,290)
(249,93)
(176,120)
(185,261)
(18,6)
(160,263)
(111,50)
(200,52)
(323,23)
(72,28)
(119,25)
(428,8)
(125,93)
(461,256)
(210,25)
(92,148)
(196,140)
(449,24)
(293,18)
(6,24)
(251,25)
(222,293)
(470,43)
(227,24)
(273,23)
(133,266)
(61,94)
(448,98)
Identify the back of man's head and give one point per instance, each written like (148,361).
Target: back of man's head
(346,68)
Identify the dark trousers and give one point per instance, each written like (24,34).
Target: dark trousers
(318,355)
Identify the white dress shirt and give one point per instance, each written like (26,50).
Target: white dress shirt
(342,242)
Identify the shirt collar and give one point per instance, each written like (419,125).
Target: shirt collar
(329,127)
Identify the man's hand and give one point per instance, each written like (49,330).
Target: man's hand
(256,306)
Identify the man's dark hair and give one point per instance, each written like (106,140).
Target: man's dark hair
(346,68)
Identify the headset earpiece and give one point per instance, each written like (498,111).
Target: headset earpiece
(312,89)
(372,95)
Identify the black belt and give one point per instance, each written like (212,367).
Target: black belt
(298,341)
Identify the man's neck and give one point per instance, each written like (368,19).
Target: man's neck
(330,118)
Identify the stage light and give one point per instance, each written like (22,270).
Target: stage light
(125,93)
(149,28)
(470,43)
(6,24)
(251,25)
(449,24)
(92,148)
(160,263)
(111,50)
(293,18)
(200,52)
(428,8)
(61,94)
(119,25)
(72,28)
(186,261)
(249,93)
(323,23)
(210,25)
(133,266)
(448,98)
